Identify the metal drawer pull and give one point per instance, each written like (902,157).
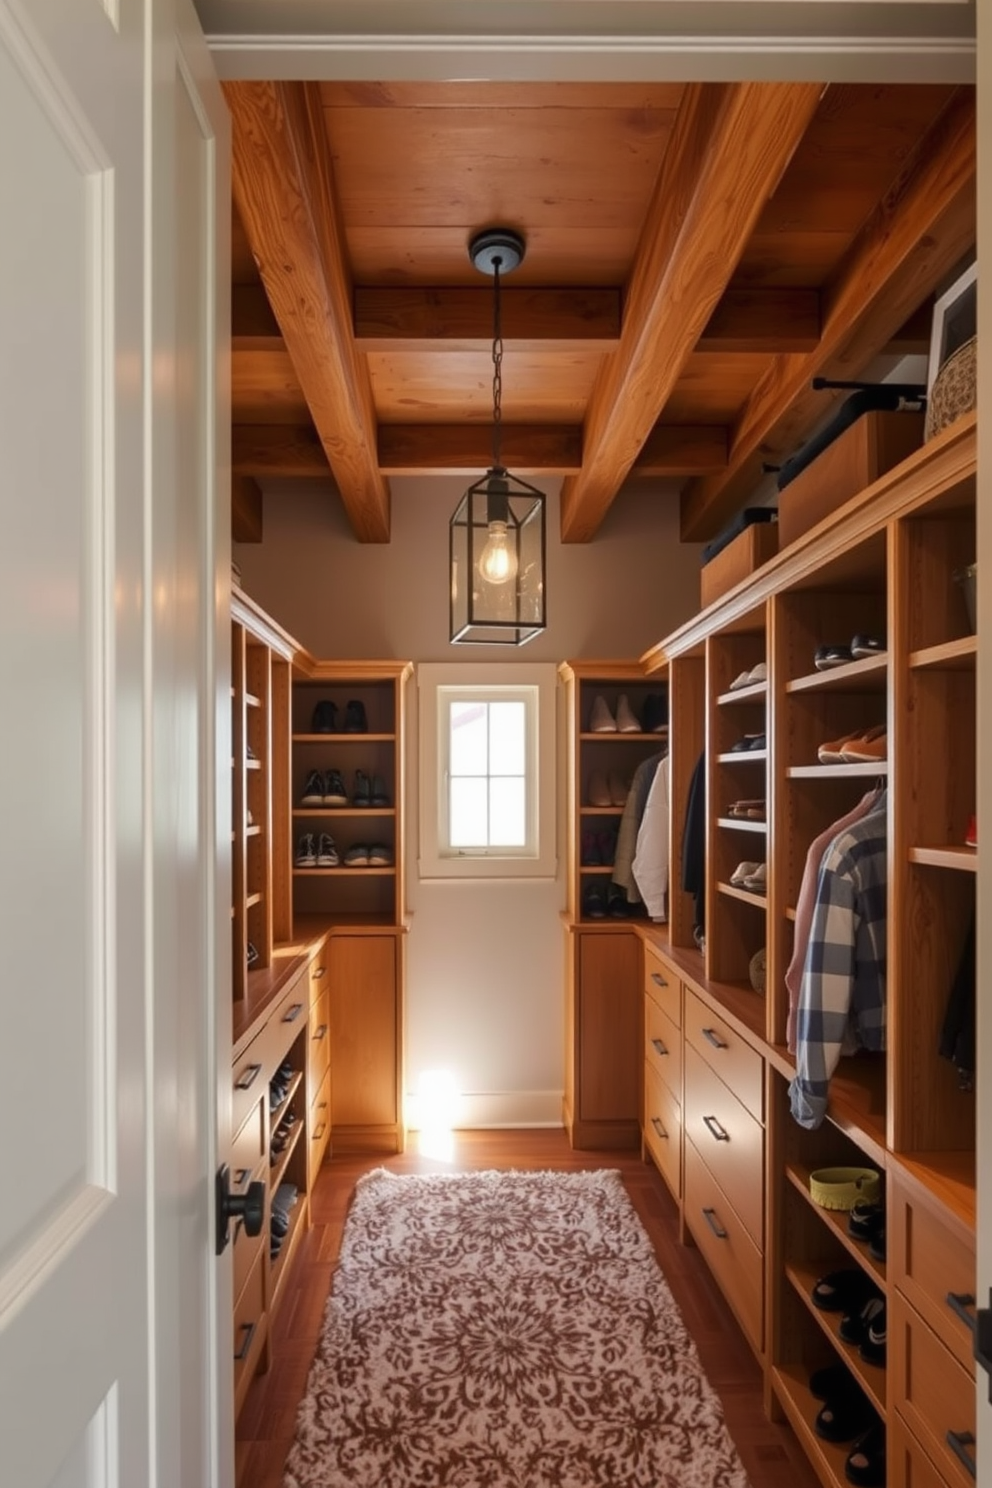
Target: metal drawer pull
(715,1129)
(659,1128)
(318,972)
(291,1014)
(242,1353)
(710,1217)
(714,1039)
(958,1302)
(248,1078)
(320,1131)
(241,1177)
(959,1441)
(659,1047)
(320,1033)
(658,979)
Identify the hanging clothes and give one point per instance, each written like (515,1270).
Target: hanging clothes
(650,865)
(694,843)
(807,898)
(630,822)
(957,1034)
(842,995)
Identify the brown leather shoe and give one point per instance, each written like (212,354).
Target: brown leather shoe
(869,749)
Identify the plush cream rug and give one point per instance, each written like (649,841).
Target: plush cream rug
(505,1330)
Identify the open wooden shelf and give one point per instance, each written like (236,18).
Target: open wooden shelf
(871,1377)
(749,694)
(251,701)
(278,1172)
(866,675)
(253,899)
(963,859)
(742,756)
(802,1408)
(746,896)
(837,772)
(952,656)
(613,736)
(343,872)
(331,741)
(280,1266)
(741,824)
(836,1221)
(308,811)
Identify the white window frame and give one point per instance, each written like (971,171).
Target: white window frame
(441,683)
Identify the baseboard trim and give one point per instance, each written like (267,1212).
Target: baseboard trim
(479,1110)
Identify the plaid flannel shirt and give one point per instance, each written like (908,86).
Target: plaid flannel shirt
(842,996)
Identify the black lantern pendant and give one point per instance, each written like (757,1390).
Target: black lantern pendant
(497,535)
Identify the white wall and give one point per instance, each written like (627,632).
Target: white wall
(485,961)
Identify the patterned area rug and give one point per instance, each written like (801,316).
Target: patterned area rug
(505,1330)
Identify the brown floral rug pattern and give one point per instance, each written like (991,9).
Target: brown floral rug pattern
(505,1330)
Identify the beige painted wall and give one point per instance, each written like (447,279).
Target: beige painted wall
(484,961)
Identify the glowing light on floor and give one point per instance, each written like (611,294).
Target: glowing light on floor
(434,1114)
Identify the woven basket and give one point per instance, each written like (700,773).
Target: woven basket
(953,391)
(841,1188)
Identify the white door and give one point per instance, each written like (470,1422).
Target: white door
(112,871)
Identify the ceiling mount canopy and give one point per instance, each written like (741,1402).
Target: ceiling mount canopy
(497,545)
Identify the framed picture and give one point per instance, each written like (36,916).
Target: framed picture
(955,321)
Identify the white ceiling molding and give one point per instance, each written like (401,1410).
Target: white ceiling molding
(606,40)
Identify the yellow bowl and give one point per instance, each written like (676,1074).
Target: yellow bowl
(841,1188)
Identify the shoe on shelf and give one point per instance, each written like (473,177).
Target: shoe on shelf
(750,742)
(865,1218)
(250,753)
(616,903)
(747,810)
(872,1346)
(601,720)
(865,1463)
(843,1416)
(327,853)
(841,1291)
(313,790)
(876,1245)
(743,871)
(867,645)
(599,790)
(829,753)
(355,721)
(971,835)
(872,746)
(325,718)
(380,856)
(306,851)
(757,882)
(627,720)
(825,657)
(654,714)
(334,791)
(357,856)
(757,674)
(607,845)
(252,954)
(741,680)
(380,796)
(594,902)
(589,853)
(618,789)
(249,819)
(830,1381)
(361,794)
(854,1325)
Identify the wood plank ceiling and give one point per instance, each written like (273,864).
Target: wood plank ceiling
(695,255)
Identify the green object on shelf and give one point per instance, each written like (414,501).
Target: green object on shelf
(841,1188)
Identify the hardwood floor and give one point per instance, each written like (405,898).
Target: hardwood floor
(771,1454)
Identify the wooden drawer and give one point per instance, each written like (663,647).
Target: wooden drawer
(932,1393)
(318,1044)
(663,1129)
(738,1065)
(319,1129)
(662,984)
(285,1021)
(249,1332)
(931,1261)
(251,1083)
(248,1146)
(318,972)
(663,1046)
(908,1464)
(729,1251)
(728,1139)
(245,1247)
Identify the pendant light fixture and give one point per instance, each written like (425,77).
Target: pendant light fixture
(497,535)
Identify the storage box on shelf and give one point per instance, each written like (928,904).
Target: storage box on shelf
(746,553)
(883,567)
(615,723)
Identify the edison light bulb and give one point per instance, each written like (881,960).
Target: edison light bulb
(498,563)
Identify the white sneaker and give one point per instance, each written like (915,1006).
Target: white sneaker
(602,720)
(627,720)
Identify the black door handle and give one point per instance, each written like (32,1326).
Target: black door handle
(249,1207)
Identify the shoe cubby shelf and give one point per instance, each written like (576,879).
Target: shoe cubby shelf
(743,757)
(802,1408)
(279,1268)
(837,772)
(960,859)
(867,675)
(835,1221)
(332,741)
(755,692)
(278,1113)
(627,737)
(952,656)
(746,896)
(740,824)
(870,1377)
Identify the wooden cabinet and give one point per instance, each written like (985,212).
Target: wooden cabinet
(887,565)
(366,1042)
(603,1055)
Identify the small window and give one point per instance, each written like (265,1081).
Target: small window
(487,758)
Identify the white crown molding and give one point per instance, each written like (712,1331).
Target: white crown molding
(608,40)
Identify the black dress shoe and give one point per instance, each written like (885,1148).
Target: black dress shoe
(355,721)
(325,718)
(854,1326)
(844,1416)
(865,1463)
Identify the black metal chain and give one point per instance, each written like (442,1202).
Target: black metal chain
(497,365)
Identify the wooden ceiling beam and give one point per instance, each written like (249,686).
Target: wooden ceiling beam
(729,148)
(920,230)
(278,450)
(763,320)
(284,192)
(391,319)
(246,509)
(683,449)
(467,449)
